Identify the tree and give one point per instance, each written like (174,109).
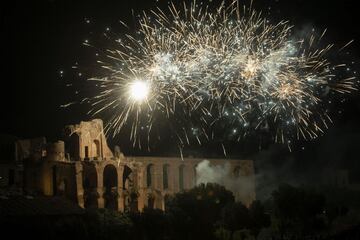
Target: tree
(258,218)
(235,216)
(194,213)
(108,224)
(149,224)
(299,211)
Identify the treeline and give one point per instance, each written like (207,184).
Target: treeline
(204,212)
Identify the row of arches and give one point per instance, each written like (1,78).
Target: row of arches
(102,189)
(166,173)
(109,192)
(109,187)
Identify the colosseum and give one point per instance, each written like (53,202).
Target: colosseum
(82,168)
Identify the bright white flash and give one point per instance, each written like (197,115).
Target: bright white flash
(139,90)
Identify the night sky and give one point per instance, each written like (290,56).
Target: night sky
(41,38)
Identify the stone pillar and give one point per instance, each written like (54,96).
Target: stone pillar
(101,200)
(142,177)
(162,201)
(142,200)
(79,183)
(135,178)
(47,178)
(141,180)
(120,174)
(121,200)
(101,148)
(100,187)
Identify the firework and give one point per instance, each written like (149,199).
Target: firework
(199,73)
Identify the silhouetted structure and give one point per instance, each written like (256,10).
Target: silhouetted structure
(82,168)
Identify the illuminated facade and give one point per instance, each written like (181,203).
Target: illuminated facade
(84,169)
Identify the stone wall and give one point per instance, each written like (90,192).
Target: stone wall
(93,177)
(89,139)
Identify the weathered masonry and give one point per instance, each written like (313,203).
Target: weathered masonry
(84,169)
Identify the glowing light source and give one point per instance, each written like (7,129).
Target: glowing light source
(139,90)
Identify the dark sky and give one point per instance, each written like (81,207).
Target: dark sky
(41,38)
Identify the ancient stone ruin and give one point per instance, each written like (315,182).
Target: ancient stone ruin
(82,168)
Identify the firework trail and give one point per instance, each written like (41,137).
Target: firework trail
(191,71)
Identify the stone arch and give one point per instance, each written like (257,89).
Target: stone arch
(167,199)
(130,194)
(154,199)
(151,201)
(133,201)
(181,177)
(90,180)
(110,183)
(150,175)
(166,173)
(127,178)
(159,201)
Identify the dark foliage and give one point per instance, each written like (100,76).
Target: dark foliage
(204,212)
(298,211)
(193,214)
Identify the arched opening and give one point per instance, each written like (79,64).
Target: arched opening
(181,177)
(127,178)
(131,199)
(151,201)
(86,150)
(90,185)
(133,202)
(74,147)
(96,149)
(166,168)
(149,175)
(167,201)
(110,187)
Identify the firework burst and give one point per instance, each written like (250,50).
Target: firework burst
(191,70)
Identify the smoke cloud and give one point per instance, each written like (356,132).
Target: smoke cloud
(243,187)
(273,167)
